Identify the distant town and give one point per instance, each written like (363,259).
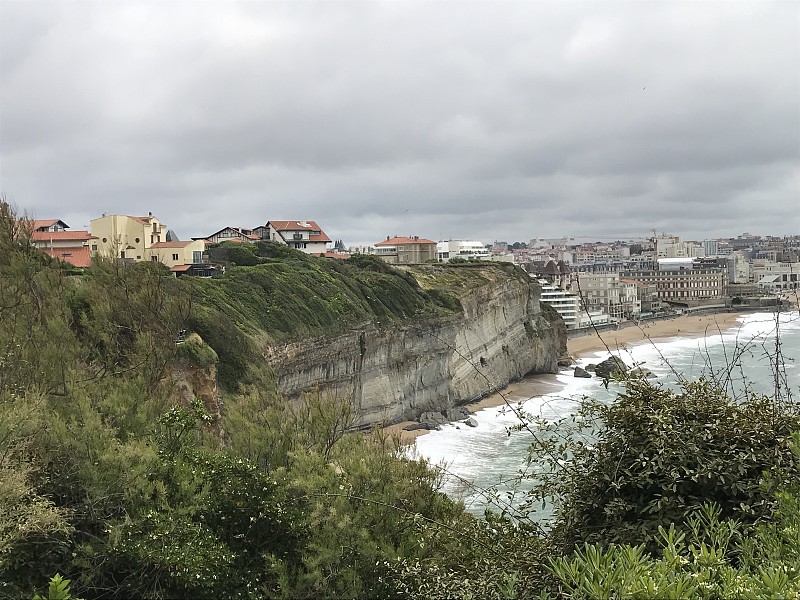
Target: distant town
(589,284)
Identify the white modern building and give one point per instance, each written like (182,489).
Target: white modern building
(565,303)
(466,249)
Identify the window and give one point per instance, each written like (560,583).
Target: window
(197,256)
(105,240)
(137,240)
(154,258)
(174,257)
(94,246)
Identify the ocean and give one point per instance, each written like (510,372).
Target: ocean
(483,462)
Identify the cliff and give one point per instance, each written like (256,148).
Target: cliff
(499,334)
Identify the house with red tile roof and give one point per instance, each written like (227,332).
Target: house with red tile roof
(49,225)
(406,250)
(134,238)
(305,236)
(52,238)
(127,237)
(183,258)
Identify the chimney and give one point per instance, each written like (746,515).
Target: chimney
(149,214)
(387,238)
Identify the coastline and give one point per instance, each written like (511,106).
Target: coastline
(581,346)
(685,325)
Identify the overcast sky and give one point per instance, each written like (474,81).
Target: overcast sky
(471,120)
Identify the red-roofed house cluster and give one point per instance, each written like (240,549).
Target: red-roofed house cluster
(146,238)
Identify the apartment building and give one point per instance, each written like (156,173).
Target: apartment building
(406,250)
(685,281)
(565,303)
(464,249)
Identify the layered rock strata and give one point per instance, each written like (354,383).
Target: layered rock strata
(394,374)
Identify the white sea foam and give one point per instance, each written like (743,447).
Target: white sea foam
(491,454)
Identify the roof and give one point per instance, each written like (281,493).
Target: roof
(770,279)
(240,230)
(180,268)
(78,257)
(38,223)
(401,241)
(301,226)
(45,236)
(171,244)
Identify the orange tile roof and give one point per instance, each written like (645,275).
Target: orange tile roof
(180,268)
(301,226)
(45,236)
(78,257)
(37,223)
(400,241)
(171,244)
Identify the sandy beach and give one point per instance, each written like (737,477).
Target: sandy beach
(683,325)
(539,385)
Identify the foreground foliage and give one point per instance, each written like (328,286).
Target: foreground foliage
(655,456)
(715,558)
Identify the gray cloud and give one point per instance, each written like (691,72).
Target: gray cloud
(444,119)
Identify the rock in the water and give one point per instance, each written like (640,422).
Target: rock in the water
(471,422)
(611,366)
(579,372)
(590,367)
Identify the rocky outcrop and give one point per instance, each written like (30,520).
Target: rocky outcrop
(190,382)
(394,374)
(579,372)
(610,367)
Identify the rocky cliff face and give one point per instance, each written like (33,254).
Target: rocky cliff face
(397,373)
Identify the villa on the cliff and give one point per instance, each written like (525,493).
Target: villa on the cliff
(131,238)
(305,236)
(52,237)
(406,250)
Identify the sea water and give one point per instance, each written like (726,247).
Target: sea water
(481,462)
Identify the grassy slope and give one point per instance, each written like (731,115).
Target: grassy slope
(290,295)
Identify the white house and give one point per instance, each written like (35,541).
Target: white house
(466,249)
(305,236)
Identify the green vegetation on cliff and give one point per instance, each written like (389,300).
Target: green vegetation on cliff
(287,295)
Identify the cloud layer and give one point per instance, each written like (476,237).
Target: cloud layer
(487,120)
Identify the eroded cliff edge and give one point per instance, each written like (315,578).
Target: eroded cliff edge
(391,373)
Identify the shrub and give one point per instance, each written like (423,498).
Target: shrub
(197,352)
(656,456)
